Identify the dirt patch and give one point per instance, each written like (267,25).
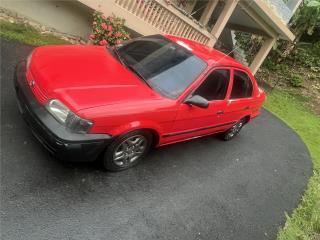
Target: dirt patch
(310,90)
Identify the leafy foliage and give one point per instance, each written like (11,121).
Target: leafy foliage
(296,80)
(249,43)
(307,55)
(307,18)
(108,30)
(306,21)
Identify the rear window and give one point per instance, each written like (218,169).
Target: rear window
(242,85)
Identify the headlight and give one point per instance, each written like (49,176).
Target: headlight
(58,110)
(78,124)
(67,118)
(29,60)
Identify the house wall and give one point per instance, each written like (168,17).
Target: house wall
(281,9)
(71,17)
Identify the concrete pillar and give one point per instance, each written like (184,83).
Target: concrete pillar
(208,11)
(262,54)
(228,9)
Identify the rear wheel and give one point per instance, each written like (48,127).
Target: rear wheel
(127,150)
(234,130)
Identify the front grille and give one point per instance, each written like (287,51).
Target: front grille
(40,95)
(37,91)
(33,123)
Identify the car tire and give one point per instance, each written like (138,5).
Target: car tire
(127,150)
(233,131)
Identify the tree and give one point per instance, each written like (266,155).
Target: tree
(306,19)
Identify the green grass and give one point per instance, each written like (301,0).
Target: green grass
(304,223)
(27,34)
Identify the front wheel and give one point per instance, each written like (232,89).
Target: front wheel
(233,131)
(127,150)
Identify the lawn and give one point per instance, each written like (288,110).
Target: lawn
(304,223)
(27,34)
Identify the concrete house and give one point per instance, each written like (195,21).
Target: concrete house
(204,21)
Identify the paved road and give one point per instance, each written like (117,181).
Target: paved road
(201,189)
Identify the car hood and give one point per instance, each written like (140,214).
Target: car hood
(85,76)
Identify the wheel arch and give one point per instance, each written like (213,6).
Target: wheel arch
(151,127)
(155,136)
(247,118)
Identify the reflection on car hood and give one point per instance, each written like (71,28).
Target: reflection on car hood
(86,76)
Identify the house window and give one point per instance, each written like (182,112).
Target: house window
(215,86)
(242,85)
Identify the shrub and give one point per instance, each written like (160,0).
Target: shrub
(296,80)
(307,54)
(108,30)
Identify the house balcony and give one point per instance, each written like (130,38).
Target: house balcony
(210,22)
(204,21)
(164,16)
(148,17)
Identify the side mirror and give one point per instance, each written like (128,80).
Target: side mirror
(198,101)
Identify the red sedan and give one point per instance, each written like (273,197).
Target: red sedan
(85,102)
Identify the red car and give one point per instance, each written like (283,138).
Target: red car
(85,102)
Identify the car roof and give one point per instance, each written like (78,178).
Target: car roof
(212,56)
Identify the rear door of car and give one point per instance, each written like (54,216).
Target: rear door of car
(241,99)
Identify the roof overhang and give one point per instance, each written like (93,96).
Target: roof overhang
(271,23)
(257,17)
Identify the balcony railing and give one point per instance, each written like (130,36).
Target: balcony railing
(148,17)
(165,18)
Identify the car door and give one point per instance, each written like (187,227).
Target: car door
(241,98)
(193,121)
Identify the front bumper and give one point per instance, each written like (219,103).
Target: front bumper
(51,134)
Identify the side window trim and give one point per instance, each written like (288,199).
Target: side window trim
(207,75)
(232,80)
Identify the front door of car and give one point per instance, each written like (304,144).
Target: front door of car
(240,102)
(193,121)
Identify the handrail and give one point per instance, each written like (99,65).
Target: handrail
(165,18)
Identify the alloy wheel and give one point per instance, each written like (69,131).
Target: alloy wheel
(129,150)
(235,130)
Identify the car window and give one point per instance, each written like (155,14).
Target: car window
(242,85)
(166,66)
(215,86)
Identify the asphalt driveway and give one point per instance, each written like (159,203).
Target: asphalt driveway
(201,189)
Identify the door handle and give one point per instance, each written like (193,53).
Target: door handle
(220,112)
(246,108)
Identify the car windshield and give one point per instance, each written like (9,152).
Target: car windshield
(165,66)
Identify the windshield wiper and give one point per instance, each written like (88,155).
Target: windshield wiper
(118,56)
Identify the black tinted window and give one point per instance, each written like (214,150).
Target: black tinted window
(242,85)
(166,66)
(215,86)
(136,51)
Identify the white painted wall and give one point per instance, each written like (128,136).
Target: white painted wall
(71,17)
